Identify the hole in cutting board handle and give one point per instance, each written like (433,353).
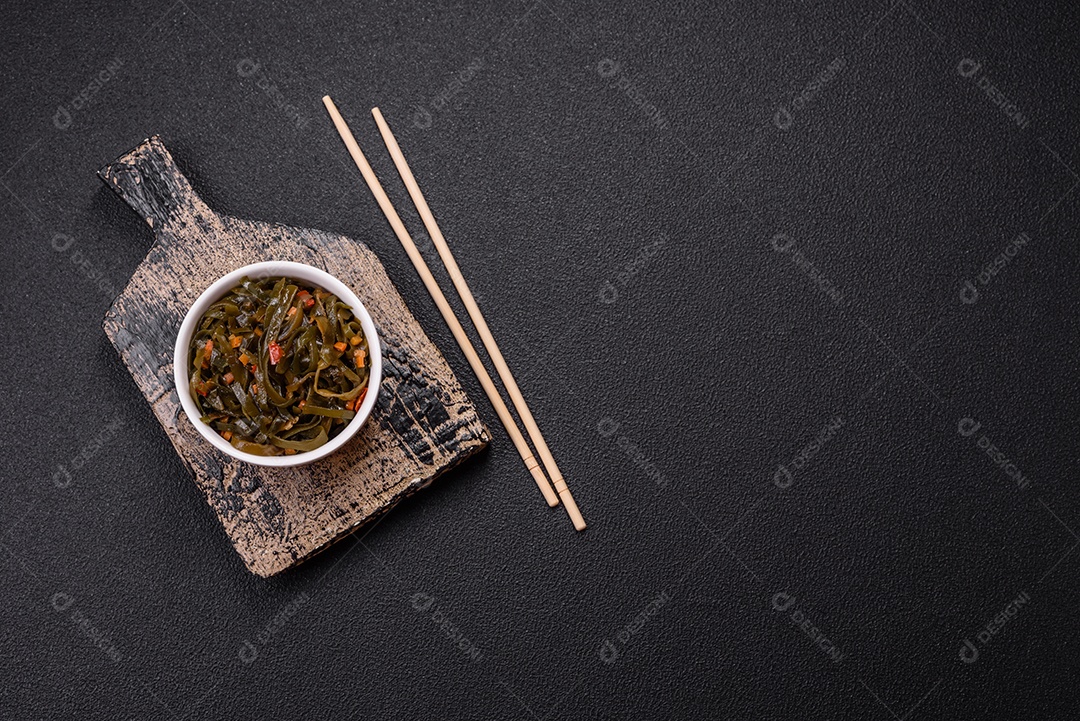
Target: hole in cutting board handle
(148,179)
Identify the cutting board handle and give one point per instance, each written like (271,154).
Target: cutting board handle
(148,180)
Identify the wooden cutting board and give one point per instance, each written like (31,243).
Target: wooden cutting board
(422,424)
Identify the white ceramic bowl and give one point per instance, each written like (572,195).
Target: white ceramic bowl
(272,269)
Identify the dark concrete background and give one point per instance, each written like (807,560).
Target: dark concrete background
(713,241)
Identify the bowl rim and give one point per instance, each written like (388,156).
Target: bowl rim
(307,274)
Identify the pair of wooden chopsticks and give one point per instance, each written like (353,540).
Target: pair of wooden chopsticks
(451,320)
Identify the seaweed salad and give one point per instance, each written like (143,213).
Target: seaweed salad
(278,368)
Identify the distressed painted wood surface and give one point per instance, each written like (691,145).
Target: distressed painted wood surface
(422,424)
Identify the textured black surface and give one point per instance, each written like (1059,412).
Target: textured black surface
(616,183)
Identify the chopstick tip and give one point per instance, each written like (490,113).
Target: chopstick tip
(572,509)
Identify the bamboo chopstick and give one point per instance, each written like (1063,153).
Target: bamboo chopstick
(478,320)
(440,300)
